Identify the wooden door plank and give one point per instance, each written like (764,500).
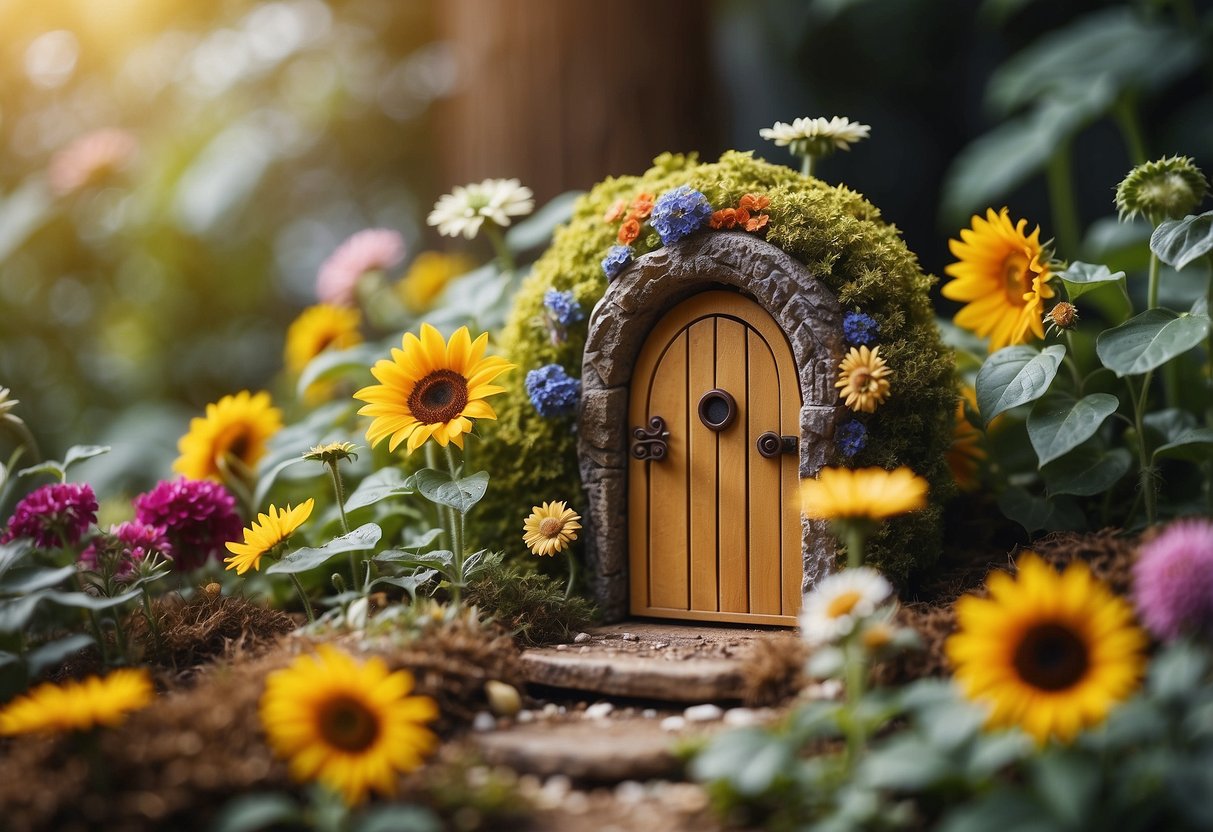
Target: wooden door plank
(668,526)
(701,377)
(766,485)
(732,472)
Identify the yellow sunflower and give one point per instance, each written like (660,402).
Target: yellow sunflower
(266,532)
(862,493)
(1002,275)
(863,378)
(236,428)
(78,706)
(965,454)
(317,329)
(431,388)
(350,725)
(550,528)
(1049,652)
(428,275)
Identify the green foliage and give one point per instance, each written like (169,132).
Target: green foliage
(842,240)
(529,603)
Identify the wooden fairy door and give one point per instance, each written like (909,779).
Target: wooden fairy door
(713,516)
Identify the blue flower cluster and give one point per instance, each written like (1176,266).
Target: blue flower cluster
(553,392)
(680,213)
(859,329)
(616,260)
(563,307)
(851,437)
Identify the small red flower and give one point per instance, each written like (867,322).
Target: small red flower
(629,231)
(615,211)
(724,218)
(642,206)
(753,203)
(757,223)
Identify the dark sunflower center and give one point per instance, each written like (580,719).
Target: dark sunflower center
(1051,657)
(347,724)
(439,397)
(1016,277)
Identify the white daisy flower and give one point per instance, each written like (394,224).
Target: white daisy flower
(839,602)
(466,208)
(817,136)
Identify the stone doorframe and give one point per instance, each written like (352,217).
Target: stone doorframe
(806,311)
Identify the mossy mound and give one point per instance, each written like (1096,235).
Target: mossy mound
(839,236)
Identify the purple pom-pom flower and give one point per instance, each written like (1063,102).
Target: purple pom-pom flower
(54,515)
(1173,580)
(198,517)
(133,542)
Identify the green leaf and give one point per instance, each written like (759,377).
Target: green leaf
(1177,672)
(1149,340)
(440,559)
(1006,810)
(79,453)
(354,362)
(388,482)
(12,553)
(1068,783)
(1037,513)
(1195,445)
(54,652)
(250,813)
(1169,423)
(536,230)
(905,763)
(15,613)
(301,560)
(50,466)
(409,583)
(480,559)
(1058,425)
(1014,376)
(1178,242)
(1081,278)
(266,481)
(1087,471)
(35,579)
(84,601)
(398,819)
(752,760)
(461,495)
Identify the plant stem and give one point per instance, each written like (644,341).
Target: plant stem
(1061,199)
(568,590)
(504,258)
(307,605)
(92,620)
(339,491)
(457,561)
(1125,112)
(854,537)
(445,513)
(854,689)
(1143,452)
(1152,297)
(806,164)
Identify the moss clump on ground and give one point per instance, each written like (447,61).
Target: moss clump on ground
(529,604)
(839,236)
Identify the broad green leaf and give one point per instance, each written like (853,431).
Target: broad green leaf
(1170,423)
(461,495)
(1087,471)
(33,580)
(388,482)
(1177,672)
(409,583)
(12,553)
(1068,783)
(15,613)
(249,813)
(440,559)
(1178,242)
(1014,376)
(79,453)
(536,230)
(84,601)
(398,819)
(355,362)
(1058,425)
(905,763)
(1195,445)
(50,466)
(52,653)
(1039,513)
(1081,278)
(266,481)
(752,760)
(1006,809)
(301,560)
(1149,340)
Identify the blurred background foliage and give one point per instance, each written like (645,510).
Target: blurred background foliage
(267,132)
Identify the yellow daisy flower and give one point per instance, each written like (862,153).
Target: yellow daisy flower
(431,388)
(236,427)
(862,493)
(350,725)
(1002,276)
(550,528)
(317,329)
(78,706)
(863,378)
(428,275)
(1049,652)
(965,454)
(266,532)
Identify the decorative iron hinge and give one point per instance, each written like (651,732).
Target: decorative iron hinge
(652,442)
(771,444)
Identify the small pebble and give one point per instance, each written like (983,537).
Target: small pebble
(703,713)
(581,637)
(629,792)
(526,716)
(673,723)
(576,803)
(649,713)
(484,722)
(504,699)
(562,647)
(584,649)
(630,637)
(661,645)
(740,717)
(599,710)
(550,709)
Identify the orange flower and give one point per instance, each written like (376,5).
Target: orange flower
(629,231)
(615,211)
(642,206)
(724,218)
(757,223)
(753,203)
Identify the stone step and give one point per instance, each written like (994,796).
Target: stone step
(599,751)
(686,680)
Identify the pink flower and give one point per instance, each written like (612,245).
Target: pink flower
(54,515)
(133,542)
(374,249)
(198,517)
(1173,580)
(90,158)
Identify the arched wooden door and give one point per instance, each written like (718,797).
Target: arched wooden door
(713,524)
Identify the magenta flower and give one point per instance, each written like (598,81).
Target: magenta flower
(198,518)
(54,515)
(1173,580)
(372,250)
(134,542)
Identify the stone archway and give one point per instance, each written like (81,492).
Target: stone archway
(805,310)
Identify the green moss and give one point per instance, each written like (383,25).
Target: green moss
(832,230)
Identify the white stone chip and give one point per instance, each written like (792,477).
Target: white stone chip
(703,713)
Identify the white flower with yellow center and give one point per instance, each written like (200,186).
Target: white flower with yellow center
(816,136)
(841,601)
(464,210)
